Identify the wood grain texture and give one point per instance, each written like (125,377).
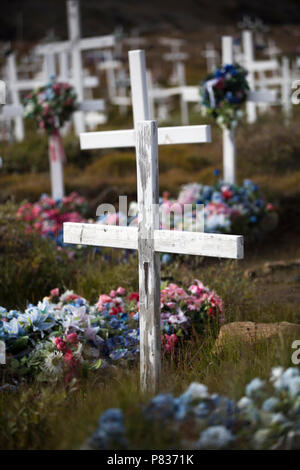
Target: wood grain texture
(149,261)
(165,241)
(127,138)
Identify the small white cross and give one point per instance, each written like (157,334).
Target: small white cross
(147,238)
(191,94)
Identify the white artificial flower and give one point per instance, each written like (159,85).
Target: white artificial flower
(261,437)
(195,391)
(294,386)
(215,437)
(244,403)
(278,419)
(133,209)
(54,363)
(276,373)
(254,387)
(282,380)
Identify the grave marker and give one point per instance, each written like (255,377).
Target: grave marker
(229,150)
(191,94)
(147,238)
(253,66)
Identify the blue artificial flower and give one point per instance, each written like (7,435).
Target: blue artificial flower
(270,404)
(215,437)
(166,258)
(110,430)
(216,197)
(114,323)
(254,387)
(118,354)
(161,407)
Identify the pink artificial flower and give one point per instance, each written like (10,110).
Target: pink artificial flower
(113,219)
(165,196)
(121,290)
(60,344)
(72,297)
(72,338)
(170,304)
(112,294)
(103,299)
(54,292)
(169,342)
(69,358)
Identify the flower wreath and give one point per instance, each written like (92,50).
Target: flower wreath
(51,105)
(223,93)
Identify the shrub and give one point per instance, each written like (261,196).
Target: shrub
(29,264)
(31,155)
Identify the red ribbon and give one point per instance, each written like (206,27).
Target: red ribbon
(56,150)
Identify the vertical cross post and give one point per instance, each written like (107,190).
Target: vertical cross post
(184,110)
(63,66)
(49,65)
(286,90)
(148,198)
(140,99)
(56,166)
(149,261)
(74,36)
(249,59)
(229,164)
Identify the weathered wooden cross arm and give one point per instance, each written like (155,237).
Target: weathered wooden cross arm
(165,241)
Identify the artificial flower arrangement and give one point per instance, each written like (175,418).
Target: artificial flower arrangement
(64,335)
(227,209)
(51,106)
(267,417)
(48,215)
(223,93)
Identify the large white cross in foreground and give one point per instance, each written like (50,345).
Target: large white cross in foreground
(147,238)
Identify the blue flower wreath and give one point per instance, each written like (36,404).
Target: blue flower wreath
(223,94)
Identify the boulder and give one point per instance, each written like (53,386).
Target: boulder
(250,332)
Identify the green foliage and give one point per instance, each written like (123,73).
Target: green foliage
(29,265)
(31,155)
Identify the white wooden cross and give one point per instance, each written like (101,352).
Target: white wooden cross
(110,65)
(179,78)
(16,86)
(263,96)
(135,41)
(75,45)
(147,238)
(191,94)
(253,66)
(56,166)
(212,57)
(272,50)
(283,81)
